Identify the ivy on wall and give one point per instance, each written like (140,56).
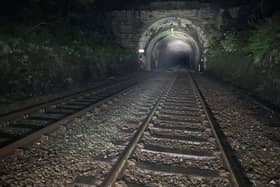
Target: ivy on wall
(250,59)
(58,55)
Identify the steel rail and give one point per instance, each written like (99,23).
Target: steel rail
(116,172)
(232,164)
(25,110)
(118,168)
(32,137)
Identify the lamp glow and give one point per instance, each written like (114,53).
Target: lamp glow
(141,51)
(172,31)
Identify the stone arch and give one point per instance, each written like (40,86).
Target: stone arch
(181,26)
(176,35)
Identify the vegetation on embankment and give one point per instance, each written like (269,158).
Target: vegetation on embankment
(250,59)
(43,58)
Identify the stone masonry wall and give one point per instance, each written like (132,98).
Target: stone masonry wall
(128,25)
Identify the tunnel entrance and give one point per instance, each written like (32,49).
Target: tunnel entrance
(170,50)
(172,41)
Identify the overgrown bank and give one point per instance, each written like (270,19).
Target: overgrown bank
(35,60)
(250,59)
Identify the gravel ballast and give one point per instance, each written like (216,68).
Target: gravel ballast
(86,146)
(250,128)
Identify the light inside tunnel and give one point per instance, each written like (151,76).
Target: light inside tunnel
(174,52)
(172,48)
(177,45)
(172,31)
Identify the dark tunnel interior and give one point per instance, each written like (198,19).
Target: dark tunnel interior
(174,58)
(171,52)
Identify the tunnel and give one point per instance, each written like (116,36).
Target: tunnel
(173,52)
(172,41)
(140,93)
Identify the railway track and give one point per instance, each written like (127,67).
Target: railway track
(177,145)
(23,127)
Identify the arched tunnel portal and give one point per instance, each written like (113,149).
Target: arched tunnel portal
(164,48)
(169,37)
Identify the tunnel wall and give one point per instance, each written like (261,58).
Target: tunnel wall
(129,25)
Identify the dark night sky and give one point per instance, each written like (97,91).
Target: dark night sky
(37,7)
(107,4)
